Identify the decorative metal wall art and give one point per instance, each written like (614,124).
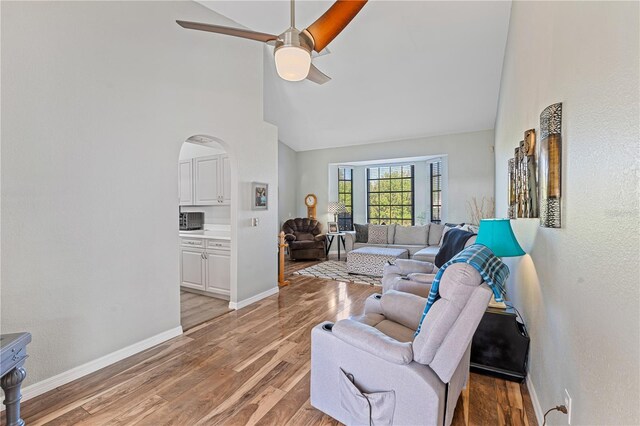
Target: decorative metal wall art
(523,180)
(550,165)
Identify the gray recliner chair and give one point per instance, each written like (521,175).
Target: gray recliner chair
(371,370)
(410,276)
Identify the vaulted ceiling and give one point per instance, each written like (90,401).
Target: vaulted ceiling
(401,69)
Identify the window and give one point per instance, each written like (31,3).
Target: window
(436,192)
(345,195)
(390,195)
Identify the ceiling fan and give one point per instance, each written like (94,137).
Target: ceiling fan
(294,48)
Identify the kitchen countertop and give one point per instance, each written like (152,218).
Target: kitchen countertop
(208,235)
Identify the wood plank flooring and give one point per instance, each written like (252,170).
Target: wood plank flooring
(246,367)
(196,309)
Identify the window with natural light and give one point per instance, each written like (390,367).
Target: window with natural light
(345,196)
(436,191)
(390,197)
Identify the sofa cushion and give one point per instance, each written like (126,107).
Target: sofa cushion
(403,308)
(417,235)
(427,254)
(360,245)
(391,233)
(457,285)
(301,245)
(411,248)
(304,236)
(362,232)
(396,331)
(435,234)
(377,234)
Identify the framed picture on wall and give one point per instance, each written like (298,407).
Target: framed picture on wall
(259,196)
(333,227)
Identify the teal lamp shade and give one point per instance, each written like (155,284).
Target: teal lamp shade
(498,236)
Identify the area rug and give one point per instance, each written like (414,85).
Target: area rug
(337,270)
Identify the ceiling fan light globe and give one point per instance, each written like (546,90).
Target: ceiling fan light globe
(292,63)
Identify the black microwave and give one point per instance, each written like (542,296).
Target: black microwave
(191,221)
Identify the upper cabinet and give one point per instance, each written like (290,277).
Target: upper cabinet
(210,182)
(207,180)
(185,182)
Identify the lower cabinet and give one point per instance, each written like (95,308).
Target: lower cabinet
(193,268)
(218,272)
(208,268)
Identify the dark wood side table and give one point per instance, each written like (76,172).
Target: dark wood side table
(13,353)
(500,346)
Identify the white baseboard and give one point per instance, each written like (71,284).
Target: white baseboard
(534,400)
(246,302)
(95,365)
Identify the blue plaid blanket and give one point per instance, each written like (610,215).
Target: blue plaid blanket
(490,267)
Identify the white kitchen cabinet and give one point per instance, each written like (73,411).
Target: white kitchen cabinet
(205,181)
(218,274)
(193,269)
(185,182)
(206,265)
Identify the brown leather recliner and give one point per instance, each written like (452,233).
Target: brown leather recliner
(305,238)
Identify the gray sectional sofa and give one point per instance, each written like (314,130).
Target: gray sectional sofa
(422,241)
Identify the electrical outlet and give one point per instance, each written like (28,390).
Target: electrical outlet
(567,403)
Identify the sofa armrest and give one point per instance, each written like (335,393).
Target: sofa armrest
(349,239)
(372,304)
(289,237)
(373,341)
(320,237)
(410,266)
(422,278)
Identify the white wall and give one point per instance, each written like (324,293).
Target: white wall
(287,183)
(470,167)
(97,99)
(578,288)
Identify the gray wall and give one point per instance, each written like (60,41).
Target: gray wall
(97,98)
(470,167)
(287,183)
(578,286)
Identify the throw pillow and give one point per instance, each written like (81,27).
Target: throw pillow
(362,232)
(411,235)
(377,234)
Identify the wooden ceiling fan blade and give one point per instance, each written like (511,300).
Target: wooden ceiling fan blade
(333,21)
(235,32)
(317,76)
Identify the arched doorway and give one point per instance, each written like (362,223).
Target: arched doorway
(205,205)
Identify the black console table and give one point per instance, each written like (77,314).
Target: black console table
(500,346)
(13,353)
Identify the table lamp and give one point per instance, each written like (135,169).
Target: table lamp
(497,235)
(336,207)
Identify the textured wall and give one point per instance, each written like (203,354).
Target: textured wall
(469,157)
(97,98)
(578,288)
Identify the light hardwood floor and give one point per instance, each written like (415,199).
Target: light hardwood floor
(249,366)
(196,309)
